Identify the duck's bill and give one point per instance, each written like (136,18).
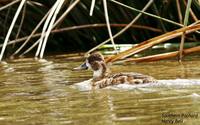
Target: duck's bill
(81,67)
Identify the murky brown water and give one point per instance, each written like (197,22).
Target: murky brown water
(33,92)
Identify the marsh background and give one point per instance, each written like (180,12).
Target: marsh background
(41,91)
(83,39)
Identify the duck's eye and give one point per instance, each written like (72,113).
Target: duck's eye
(84,66)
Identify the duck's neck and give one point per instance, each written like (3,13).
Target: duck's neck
(101,72)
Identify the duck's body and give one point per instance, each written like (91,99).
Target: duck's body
(102,78)
(123,78)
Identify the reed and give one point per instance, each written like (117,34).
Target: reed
(124,29)
(11,28)
(156,40)
(159,57)
(120,21)
(187,11)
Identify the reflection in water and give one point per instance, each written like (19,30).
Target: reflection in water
(50,75)
(41,92)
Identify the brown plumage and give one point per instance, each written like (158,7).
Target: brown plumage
(102,78)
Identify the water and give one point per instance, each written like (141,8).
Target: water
(43,93)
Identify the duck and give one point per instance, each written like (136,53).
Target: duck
(103,78)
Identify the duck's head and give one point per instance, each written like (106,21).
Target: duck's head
(95,62)
(92,62)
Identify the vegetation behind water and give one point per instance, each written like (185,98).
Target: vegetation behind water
(85,38)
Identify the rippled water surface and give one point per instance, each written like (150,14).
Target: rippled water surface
(41,92)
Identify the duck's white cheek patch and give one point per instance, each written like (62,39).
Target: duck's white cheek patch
(97,73)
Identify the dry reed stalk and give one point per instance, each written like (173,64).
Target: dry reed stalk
(27,38)
(50,27)
(45,27)
(61,18)
(30,48)
(33,3)
(6,20)
(33,35)
(54,25)
(11,28)
(153,41)
(8,5)
(179,11)
(21,23)
(146,13)
(92,7)
(76,28)
(108,24)
(187,11)
(125,28)
(161,56)
(194,17)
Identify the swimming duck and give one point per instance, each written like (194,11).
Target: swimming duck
(102,78)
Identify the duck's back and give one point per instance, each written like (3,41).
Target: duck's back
(124,78)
